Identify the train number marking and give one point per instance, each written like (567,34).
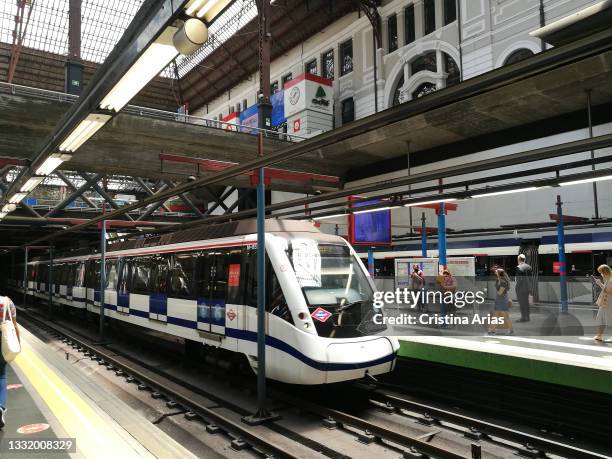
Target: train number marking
(321,314)
(231,315)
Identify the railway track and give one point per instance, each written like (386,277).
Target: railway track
(477,434)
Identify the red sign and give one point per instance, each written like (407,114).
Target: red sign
(557,266)
(231,315)
(32,428)
(297,125)
(234,275)
(321,314)
(14,386)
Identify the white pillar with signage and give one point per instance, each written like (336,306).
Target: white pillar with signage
(309,105)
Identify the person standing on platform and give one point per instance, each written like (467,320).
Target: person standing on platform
(604,301)
(5,302)
(502,302)
(417,283)
(523,287)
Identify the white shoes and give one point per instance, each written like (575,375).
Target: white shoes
(2,421)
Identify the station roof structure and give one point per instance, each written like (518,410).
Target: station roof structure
(540,95)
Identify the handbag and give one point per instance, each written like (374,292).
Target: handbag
(11,347)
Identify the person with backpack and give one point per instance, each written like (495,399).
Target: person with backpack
(7,314)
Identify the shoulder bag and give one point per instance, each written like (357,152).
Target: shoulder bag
(10,342)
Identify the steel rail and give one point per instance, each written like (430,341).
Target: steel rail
(172,390)
(375,429)
(541,443)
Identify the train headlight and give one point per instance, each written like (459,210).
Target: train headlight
(306,325)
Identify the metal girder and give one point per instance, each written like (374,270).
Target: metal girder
(96,186)
(24,206)
(73,187)
(149,191)
(153,207)
(188,202)
(214,198)
(222,198)
(75,194)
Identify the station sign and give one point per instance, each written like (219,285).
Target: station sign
(308,92)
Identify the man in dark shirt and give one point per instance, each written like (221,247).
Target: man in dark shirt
(523,286)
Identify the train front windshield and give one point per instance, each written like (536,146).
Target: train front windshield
(338,293)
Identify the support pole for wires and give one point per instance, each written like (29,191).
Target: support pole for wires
(102,277)
(51,288)
(25,278)
(265,122)
(423,236)
(562,261)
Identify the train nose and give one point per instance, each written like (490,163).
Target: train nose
(350,360)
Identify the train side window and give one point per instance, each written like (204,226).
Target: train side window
(219,271)
(250,284)
(141,275)
(234,276)
(161,271)
(80,275)
(182,276)
(123,281)
(111,274)
(204,269)
(276,303)
(72,274)
(93,271)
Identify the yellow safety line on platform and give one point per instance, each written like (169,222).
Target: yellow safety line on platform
(94,438)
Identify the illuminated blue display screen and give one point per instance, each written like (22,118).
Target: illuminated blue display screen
(371,227)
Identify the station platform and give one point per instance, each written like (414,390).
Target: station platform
(50,399)
(574,361)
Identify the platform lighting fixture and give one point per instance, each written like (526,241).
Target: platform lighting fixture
(32,183)
(206,9)
(588,180)
(8,208)
(435,201)
(367,211)
(86,128)
(324,217)
(17,198)
(3,214)
(151,62)
(52,163)
(498,193)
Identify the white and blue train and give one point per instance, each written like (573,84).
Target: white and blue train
(200,285)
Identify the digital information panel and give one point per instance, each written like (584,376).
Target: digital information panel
(370,227)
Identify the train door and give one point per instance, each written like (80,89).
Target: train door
(212,291)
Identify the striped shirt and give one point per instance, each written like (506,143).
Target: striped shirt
(5,301)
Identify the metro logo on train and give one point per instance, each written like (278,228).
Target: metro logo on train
(321,314)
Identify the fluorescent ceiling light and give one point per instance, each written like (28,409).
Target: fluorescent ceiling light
(589,180)
(9,208)
(412,204)
(51,163)
(497,193)
(206,9)
(32,183)
(152,61)
(329,216)
(372,210)
(2,215)
(17,198)
(86,128)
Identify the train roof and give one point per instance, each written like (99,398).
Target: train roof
(205,232)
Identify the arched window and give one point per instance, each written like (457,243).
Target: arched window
(452,70)
(425,61)
(518,55)
(423,89)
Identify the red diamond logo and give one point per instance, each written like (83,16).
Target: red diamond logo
(321,314)
(231,314)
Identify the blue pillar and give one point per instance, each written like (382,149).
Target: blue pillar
(562,262)
(102,276)
(442,235)
(371,261)
(25,278)
(423,236)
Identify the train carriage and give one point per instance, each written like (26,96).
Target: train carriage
(200,285)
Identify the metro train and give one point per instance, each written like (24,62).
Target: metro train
(200,285)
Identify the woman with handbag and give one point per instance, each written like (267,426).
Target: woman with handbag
(604,314)
(10,347)
(502,302)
